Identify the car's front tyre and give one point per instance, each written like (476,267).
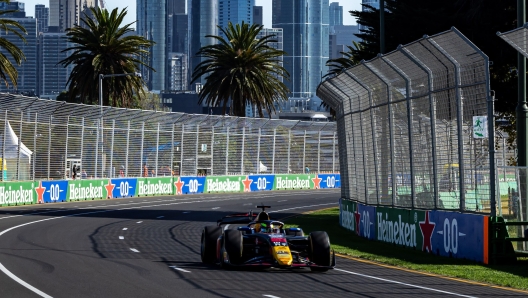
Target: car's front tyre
(320,251)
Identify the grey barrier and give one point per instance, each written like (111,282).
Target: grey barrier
(46,139)
(406,131)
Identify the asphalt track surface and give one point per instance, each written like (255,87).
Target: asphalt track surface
(149,247)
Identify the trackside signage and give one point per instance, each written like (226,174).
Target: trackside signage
(51,191)
(330,180)
(154,186)
(121,188)
(347,209)
(79,190)
(17,193)
(224,184)
(258,182)
(399,226)
(188,185)
(295,181)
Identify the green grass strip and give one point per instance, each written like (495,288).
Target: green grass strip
(348,243)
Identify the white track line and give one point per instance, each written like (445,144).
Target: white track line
(124,229)
(121,237)
(214,208)
(404,284)
(270,296)
(139,222)
(160,216)
(304,207)
(134,250)
(186,212)
(179,269)
(25,284)
(282,201)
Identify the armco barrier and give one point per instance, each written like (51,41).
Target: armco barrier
(443,233)
(52,191)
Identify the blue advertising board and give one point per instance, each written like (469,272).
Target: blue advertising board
(366,221)
(54,191)
(261,182)
(189,185)
(330,180)
(123,187)
(457,235)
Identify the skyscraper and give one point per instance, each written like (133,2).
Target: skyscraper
(257,15)
(52,77)
(152,24)
(42,16)
(335,14)
(176,7)
(67,13)
(27,74)
(305,27)
(177,43)
(235,11)
(177,71)
(21,13)
(204,19)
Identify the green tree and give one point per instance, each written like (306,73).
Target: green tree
(150,101)
(102,46)
(479,20)
(240,70)
(7,69)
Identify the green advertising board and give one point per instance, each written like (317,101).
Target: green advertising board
(17,193)
(300,181)
(154,186)
(347,209)
(81,190)
(224,184)
(399,226)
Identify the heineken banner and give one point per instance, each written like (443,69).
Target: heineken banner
(154,186)
(121,188)
(456,235)
(80,190)
(17,193)
(330,180)
(259,182)
(51,191)
(347,209)
(225,184)
(300,181)
(189,185)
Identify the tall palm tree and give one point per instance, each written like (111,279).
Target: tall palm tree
(349,59)
(7,69)
(102,46)
(241,70)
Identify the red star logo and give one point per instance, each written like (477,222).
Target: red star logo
(109,189)
(40,193)
(427,228)
(357,217)
(247,184)
(179,185)
(317,182)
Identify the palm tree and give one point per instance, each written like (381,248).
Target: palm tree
(7,70)
(241,70)
(102,46)
(349,59)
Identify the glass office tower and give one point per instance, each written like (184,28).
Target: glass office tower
(235,11)
(204,19)
(305,29)
(151,24)
(335,14)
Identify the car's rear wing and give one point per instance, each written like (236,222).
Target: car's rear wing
(240,218)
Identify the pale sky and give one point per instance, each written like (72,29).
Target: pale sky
(131,15)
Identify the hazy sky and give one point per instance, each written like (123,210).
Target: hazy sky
(131,15)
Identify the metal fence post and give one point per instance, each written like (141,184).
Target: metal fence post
(304,153)
(181,151)
(111,173)
(196,151)
(19,145)
(319,153)
(34,147)
(82,144)
(3,145)
(212,149)
(258,150)
(49,145)
(273,152)
(141,151)
(289,148)
(126,150)
(227,153)
(242,156)
(172,151)
(157,149)
(97,150)
(66,146)
(333,153)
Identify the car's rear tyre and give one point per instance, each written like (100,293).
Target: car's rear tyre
(320,251)
(210,235)
(233,245)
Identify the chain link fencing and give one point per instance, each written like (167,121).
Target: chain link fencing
(406,126)
(47,139)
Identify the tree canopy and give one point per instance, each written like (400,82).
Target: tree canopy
(7,69)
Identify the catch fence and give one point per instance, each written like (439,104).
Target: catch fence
(46,139)
(412,126)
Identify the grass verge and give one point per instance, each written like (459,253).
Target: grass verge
(347,243)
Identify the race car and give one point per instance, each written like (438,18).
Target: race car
(264,243)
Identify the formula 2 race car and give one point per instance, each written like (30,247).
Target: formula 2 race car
(264,243)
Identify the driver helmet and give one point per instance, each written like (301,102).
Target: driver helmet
(275,228)
(264,228)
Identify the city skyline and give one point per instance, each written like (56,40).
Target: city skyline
(131,15)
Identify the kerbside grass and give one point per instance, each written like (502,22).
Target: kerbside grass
(346,242)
